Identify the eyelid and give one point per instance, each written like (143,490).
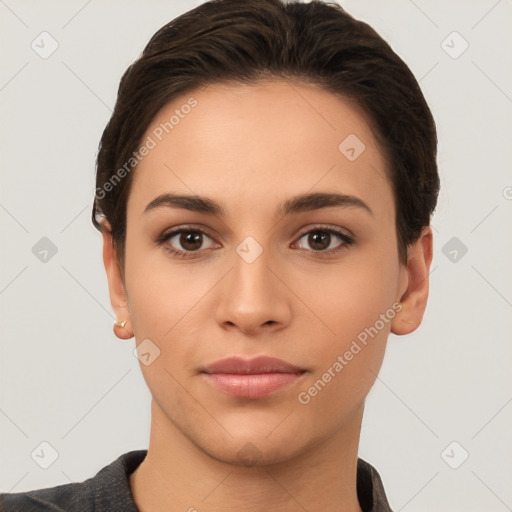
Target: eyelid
(185,227)
(307,229)
(326,227)
(166,235)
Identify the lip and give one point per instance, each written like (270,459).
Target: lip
(256,365)
(251,378)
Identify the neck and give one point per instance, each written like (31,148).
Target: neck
(177,475)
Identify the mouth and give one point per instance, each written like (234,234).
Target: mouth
(251,378)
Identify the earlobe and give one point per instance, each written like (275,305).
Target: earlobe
(414,299)
(117,292)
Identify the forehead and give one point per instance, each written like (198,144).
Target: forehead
(264,143)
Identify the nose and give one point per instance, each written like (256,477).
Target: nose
(253,296)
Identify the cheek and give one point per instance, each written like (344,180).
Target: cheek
(161,293)
(354,306)
(344,299)
(171,305)
(348,355)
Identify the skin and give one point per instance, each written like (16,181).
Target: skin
(250,148)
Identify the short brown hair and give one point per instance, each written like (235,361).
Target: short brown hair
(244,41)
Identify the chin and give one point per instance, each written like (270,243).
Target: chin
(253,442)
(251,453)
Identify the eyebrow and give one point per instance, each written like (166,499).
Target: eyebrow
(296,204)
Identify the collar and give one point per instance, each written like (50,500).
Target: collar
(370,489)
(109,491)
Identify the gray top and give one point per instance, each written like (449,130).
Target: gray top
(109,491)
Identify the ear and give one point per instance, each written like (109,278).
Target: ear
(116,286)
(414,292)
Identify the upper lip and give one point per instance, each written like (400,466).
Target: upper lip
(256,365)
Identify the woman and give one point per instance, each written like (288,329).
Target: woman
(264,191)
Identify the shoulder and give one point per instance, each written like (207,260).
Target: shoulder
(61,498)
(370,489)
(108,490)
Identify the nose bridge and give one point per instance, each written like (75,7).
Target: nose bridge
(251,266)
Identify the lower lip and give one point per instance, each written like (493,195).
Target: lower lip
(253,385)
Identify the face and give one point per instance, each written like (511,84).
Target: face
(257,269)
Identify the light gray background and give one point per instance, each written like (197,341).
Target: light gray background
(67,380)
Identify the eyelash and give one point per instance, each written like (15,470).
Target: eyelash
(346,239)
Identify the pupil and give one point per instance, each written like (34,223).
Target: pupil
(191,238)
(316,238)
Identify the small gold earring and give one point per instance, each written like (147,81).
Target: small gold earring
(120,331)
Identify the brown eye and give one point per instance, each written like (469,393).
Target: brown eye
(320,240)
(191,240)
(185,241)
